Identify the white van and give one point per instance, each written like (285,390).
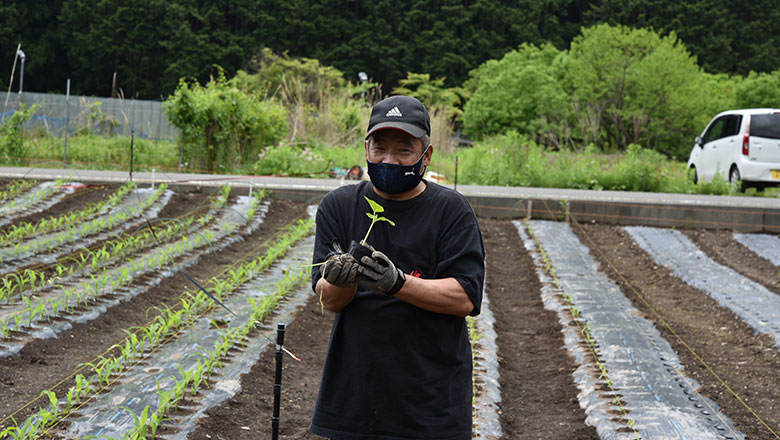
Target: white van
(743,146)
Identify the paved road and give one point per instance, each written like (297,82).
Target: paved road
(741,213)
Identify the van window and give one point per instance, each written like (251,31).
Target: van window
(731,125)
(766,126)
(714,131)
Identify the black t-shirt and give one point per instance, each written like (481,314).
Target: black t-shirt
(393,370)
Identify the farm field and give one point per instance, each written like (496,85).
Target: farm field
(600,332)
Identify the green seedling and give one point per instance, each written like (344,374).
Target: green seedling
(375,217)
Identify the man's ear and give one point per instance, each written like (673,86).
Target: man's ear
(428,155)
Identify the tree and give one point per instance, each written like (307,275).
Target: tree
(726,36)
(34,25)
(151,44)
(522,92)
(634,86)
(222,127)
(759,90)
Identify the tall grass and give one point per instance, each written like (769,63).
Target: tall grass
(513,160)
(102,152)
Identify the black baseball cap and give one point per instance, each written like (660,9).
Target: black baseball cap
(400,112)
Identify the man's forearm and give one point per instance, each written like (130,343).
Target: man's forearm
(333,297)
(445,295)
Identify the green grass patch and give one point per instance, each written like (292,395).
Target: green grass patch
(102,153)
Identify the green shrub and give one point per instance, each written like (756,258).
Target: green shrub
(307,160)
(101,152)
(522,92)
(761,90)
(12,149)
(321,106)
(221,126)
(513,160)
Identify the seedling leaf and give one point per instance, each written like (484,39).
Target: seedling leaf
(385,219)
(376,207)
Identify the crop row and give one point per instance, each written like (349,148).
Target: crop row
(584,329)
(26,200)
(141,342)
(112,251)
(89,290)
(36,280)
(52,223)
(13,189)
(96,225)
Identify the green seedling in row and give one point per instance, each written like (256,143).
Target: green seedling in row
(141,422)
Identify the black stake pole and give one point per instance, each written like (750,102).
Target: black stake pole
(132,135)
(456,172)
(278,382)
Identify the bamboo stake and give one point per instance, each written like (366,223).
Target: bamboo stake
(10,83)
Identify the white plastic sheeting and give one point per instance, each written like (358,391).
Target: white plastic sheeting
(765,245)
(642,366)
(752,302)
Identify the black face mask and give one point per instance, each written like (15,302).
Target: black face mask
(396,179)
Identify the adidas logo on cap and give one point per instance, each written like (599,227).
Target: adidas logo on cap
(394,112)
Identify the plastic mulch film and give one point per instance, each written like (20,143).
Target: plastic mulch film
(108,415)
(36,199)
(228,220)
(53,245)
(641,366)
(486,420)
(764,245)
(752,302)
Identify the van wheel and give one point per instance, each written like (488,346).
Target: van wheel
(693,176)
(735,179)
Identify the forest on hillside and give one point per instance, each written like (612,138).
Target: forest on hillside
(142,48)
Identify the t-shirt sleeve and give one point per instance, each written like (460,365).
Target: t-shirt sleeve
(462,256)
(327,230)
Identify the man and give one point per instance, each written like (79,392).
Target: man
(399,360)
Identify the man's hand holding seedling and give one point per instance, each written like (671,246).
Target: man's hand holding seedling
(340,269)
(379,274)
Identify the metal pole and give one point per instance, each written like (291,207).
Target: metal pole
(67,121)
(132,135)
(278,382)
(456,173)
(21,75)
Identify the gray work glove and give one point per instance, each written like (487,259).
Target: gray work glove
(379,274)
(340,269)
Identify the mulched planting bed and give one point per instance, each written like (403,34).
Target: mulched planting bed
(80,198)
(721,246)
(708,338)
(43,364)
